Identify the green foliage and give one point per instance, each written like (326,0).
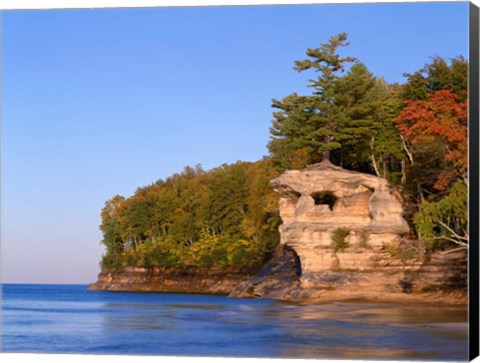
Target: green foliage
(309,122)
(364,236)
(406,250)
(340,239)
(131,258)
(227,216)
(445,219)
(438,75)
(110,261)
(347,119)
(432,164)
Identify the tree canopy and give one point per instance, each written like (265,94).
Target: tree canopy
(226,216)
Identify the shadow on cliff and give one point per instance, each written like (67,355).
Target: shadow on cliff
(276,279)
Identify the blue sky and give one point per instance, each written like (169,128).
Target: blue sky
(100,102)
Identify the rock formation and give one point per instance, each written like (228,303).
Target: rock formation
(345,228)
(323,200)
(193,280)
(277,279)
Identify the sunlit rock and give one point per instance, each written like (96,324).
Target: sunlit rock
(317,201)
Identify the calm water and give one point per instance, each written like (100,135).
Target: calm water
(68,318)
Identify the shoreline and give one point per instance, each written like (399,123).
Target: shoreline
(441,300)
(189,280)
(219,282)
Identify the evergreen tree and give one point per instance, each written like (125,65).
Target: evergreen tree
(355,107)
(436,76)
(311,122)
(347,119)
(386,153)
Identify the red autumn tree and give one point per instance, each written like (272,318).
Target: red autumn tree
(442,118)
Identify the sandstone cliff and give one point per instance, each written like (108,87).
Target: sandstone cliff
(322,199)
(174,279)
(346,229)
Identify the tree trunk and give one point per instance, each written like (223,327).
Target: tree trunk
(374,161)
(326,155)
(404,172)
(405,147)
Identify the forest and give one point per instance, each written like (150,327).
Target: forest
(413,134)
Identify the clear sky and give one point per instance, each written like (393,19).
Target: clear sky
(100,102)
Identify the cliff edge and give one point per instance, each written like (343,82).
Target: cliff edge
(192,280)
(346,230)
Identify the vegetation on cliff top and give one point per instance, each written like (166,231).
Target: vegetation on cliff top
(413,134)
(223,217)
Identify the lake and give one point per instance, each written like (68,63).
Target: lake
(71,319)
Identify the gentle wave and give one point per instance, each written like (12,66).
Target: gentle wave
(71,319)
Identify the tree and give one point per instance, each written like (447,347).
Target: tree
(329,64)
(111,228)
(358,106)
(427,172)
(440,119)
(318,129)
(195,218)
(387,156)
(137,218)
(445,219)
(262,219)
(347,119)
(296,136)
(436,76)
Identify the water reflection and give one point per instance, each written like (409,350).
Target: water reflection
(370,331)
(81,321)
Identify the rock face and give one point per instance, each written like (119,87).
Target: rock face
(324,200)
(174,279)
(345,229)
(278,278)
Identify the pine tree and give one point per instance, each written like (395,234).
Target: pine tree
(346,119)
(310,123)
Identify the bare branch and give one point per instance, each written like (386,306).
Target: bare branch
(454,250)
(409,154)
(374,161)
(460,243)
(454,234)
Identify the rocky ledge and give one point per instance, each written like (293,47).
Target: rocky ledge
(440,278)
(191,280)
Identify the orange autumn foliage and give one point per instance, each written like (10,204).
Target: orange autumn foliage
(439,118)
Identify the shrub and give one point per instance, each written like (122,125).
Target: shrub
(110,262)
(132,259)
(364,235)
(406,250)
(445,219)
(339,239)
